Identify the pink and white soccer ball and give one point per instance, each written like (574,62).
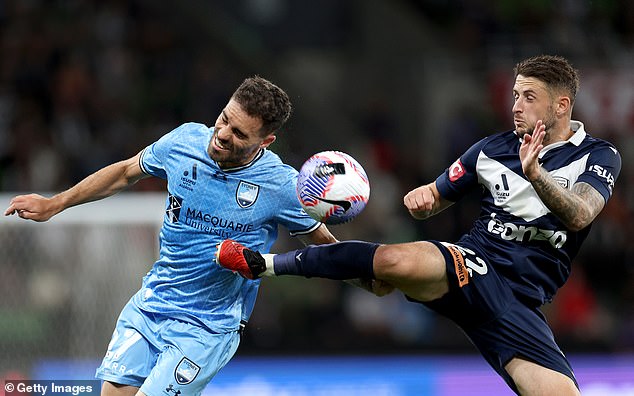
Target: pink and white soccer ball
(332,187)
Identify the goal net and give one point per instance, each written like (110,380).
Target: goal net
(64,282)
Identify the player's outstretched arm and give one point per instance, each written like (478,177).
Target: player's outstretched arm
(101,184)
(576,208)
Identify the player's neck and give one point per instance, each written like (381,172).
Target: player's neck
(559,133)
(247,162)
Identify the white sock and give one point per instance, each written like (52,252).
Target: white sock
(268,259)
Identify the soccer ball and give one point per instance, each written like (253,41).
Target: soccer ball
(332,187)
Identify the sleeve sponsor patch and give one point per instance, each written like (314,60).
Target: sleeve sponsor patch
(456,171)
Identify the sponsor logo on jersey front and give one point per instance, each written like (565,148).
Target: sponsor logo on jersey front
(174,206)
(524,233)
(247,193)
(188,180)
(510,191)
(502,190)
(222,227)
(186,371)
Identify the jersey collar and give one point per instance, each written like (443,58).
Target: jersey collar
(579,133)
(237,168)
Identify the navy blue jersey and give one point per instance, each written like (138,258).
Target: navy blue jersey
(521,238)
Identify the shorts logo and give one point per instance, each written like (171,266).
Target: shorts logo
(247,193)
(459,265)
(186,371)
(456,171)
(170,389)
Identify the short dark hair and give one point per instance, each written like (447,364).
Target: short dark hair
(553,70)
(261,98)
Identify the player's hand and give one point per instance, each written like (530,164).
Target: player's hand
(530,149)
(377,287)
(420,202)
(32,207)
(381,288)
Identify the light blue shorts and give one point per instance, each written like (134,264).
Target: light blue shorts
(163,356)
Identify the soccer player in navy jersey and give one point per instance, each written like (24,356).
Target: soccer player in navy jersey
(183,325)
(542,185)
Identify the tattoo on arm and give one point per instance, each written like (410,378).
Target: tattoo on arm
(593,199)
(576,208)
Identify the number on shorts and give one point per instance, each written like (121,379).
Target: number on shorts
(130,336)
(471,260)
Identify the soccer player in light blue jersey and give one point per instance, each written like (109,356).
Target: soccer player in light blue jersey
(542,185)
(183,325)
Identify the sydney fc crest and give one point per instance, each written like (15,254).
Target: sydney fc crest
(186,371)
(247,193)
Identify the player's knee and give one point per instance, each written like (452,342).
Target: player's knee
(414,261)
(402,261)
(113,389)
(391,262)
(416,268)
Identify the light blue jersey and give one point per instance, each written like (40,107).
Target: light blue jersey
(206,205)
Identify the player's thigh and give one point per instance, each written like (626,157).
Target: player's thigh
(113,389)
(533,379)
(418,269)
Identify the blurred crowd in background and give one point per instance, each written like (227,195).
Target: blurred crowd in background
(404,86)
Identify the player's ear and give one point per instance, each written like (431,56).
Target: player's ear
(563,105)
(268,140)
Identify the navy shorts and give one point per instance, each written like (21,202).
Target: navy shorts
(496,321)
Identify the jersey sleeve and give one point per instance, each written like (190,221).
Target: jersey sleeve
(154,156)
(602,169)
(461,177)
(291,214)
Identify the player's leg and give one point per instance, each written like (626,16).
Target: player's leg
(113,389)
(532,379)
(517,341)
(416,268)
